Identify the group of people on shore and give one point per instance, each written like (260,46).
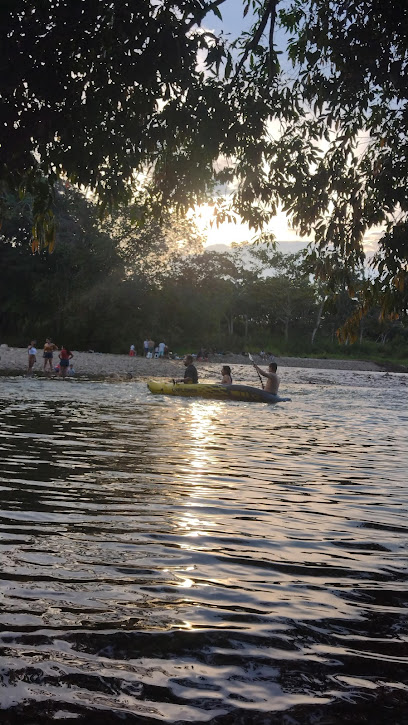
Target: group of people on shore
(191,375)
(64,354)
(151,349)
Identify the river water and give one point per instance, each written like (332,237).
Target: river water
(172,560)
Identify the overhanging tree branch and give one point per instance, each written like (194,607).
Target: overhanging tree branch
(269,13)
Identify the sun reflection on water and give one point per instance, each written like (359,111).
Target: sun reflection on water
(202,421)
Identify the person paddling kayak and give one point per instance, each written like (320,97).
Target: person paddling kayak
(272,383)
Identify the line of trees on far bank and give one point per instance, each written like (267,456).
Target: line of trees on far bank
(108,285)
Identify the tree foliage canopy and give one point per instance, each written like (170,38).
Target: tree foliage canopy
(98,90)
(103,91)
(93,292)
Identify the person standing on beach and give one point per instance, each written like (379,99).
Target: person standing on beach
(145,347)
(49,348)
(32,352)
(273,381)
(150,347)
(190,373)
(65,356)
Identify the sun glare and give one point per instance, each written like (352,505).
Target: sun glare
(229,232)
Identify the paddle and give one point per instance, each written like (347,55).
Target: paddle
(252,361)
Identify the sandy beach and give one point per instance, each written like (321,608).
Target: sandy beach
(13,361)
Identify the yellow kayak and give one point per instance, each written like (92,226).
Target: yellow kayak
(215,392)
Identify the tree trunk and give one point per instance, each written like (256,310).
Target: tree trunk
(318,319)
(246,327)
(230,324)
(285,321)
(286,330)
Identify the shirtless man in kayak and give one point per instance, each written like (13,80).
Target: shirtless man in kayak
(272,383)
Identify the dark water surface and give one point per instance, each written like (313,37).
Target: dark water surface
(168,560)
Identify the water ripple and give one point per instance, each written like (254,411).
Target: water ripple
(188,561)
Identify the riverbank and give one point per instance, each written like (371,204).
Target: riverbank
(13,361)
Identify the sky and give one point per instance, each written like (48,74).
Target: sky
(232,17)
(228,233)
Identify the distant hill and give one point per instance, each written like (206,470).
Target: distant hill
(284,247)
(288,247)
